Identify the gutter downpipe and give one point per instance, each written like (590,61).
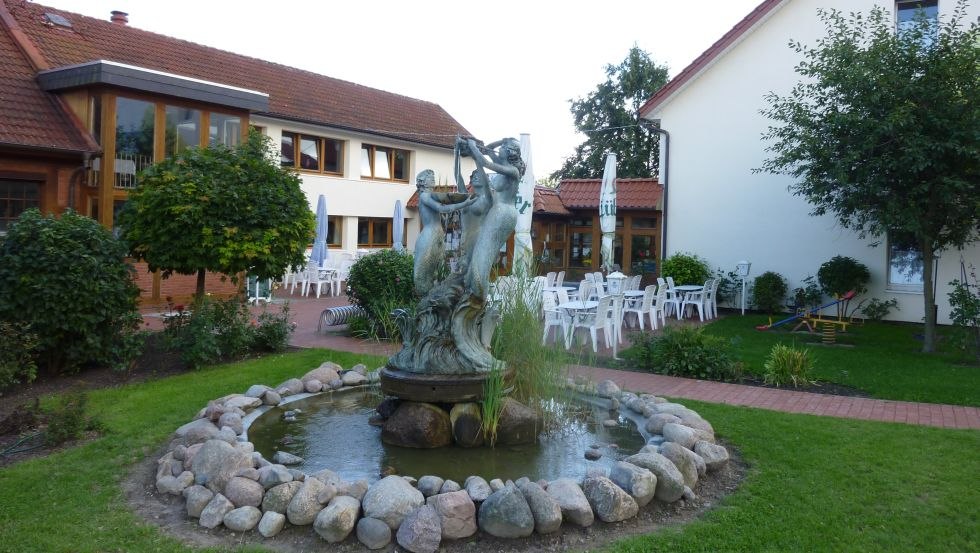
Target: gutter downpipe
(665,174)
(76,177)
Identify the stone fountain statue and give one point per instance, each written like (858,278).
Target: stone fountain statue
(445,354)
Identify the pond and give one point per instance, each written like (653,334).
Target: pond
(333,432)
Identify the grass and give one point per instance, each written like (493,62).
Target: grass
(814,484)
(885,360)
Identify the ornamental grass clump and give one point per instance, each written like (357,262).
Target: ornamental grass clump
(788,365)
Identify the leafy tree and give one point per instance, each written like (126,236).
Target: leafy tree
(882,131)
(221,209)
(607,116)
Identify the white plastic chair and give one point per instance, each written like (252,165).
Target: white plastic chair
(340,275)
(674,297)
(599,290)
(322,279)
(599,278)
(553,317)
(711,300)
(584,290)
(695,298)
(601,319)
(560,279)
(657,308)
(550,278)
(644,308)
(634,283)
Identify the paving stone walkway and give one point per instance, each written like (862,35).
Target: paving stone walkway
(306,313)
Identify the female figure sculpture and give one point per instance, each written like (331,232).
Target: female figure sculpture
(472,216)
(430,246)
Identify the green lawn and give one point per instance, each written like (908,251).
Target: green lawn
(885,360)
(814,484)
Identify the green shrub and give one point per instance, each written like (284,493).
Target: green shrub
(685,268)
(272,331)
(877,309)
(786,364)
(687,352)
(808,295)
(213,331)
(842,274)
(67,420)
(17,347)
(380,283)
(965,303)
(68,280)
(769,292)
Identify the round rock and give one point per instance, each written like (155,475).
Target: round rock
(421,531)
(373,533)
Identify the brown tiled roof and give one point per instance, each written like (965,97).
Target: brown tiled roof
(630,193)
(294,94)
(715,50)
(547,202)
(30,117)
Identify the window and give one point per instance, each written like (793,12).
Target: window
(373,232)
(384,163)
(134,139)
(183,130)
(580,249)
(311,153)
(904,263)
(334,232)
(16,197)
(906,12)
(224,129)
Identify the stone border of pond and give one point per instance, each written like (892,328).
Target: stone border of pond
(224,481)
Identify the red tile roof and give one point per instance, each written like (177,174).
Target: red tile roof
(630,193)
(294,94)
(30,117)
(727,40)
(547,202)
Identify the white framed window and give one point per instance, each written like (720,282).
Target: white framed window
(905,269)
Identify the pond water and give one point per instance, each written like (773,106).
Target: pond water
(333,432)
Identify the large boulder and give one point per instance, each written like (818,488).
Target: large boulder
(544,508)
(336,521)
(639,482)
(670,481)
(291,387)
(278,497)
(198,430)
(271,476)
(518,424)
(324,373)
(244,491)
(214,513)
(421,531)
(457,514)
(373,533)
(609,501)
(391,499)
(353,378)
(217,462)
(689,463)
(417,425)
(715,456)
(257,390)
(608,389)
(655,424)
(680,434)
(478,488)
(574,505)
(197,498)
(430,485)
(242,519)
(467,424)
(355,489)
(506,514)
(304,506)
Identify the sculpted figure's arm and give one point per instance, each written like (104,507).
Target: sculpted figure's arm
(429,201)
(498,166)
(457,169)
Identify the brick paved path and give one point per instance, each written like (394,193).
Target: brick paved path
(306,313)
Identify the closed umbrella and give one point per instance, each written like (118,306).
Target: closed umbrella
(320,252)
(398,220)
(607,211)
(523,249)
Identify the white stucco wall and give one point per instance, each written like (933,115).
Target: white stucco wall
(350,196)
(719,209)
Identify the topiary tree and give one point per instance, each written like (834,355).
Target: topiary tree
(228,210)
(67,280)
(685,268)
(842,274)
(380,283)
(769,292)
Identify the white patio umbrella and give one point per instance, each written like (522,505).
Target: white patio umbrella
(523,249)
(320,252)
(397,230)
(607,211)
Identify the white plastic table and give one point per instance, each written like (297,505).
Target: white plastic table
(574,309)
(683,290)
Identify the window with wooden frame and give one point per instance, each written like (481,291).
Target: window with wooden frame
(16,197)
(383,163)
(373,233)
(312,153)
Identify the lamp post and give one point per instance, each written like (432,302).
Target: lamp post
(614,283)
(742,269)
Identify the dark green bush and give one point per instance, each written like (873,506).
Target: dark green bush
(685,268)
(380,283)
(17,346)
(842,274)
(68,280)
(687,352)
(769,292)
(808,295)
(878,309)
(965,303)
(214,330)
(273,330)
(67,420)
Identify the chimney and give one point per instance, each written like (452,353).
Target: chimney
(119,18)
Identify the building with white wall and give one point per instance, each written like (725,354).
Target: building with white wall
(718,208)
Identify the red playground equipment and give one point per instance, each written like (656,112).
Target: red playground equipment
(810,317)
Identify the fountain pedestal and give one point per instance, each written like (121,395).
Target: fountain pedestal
(435,388)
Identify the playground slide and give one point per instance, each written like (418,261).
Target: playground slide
(798,316)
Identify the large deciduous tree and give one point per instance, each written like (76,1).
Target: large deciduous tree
(607,116)
(227,210)
(883,129)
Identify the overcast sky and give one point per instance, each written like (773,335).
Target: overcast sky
(500,68)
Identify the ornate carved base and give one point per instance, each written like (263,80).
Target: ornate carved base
(435,388)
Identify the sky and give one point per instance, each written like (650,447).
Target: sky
(499,68)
